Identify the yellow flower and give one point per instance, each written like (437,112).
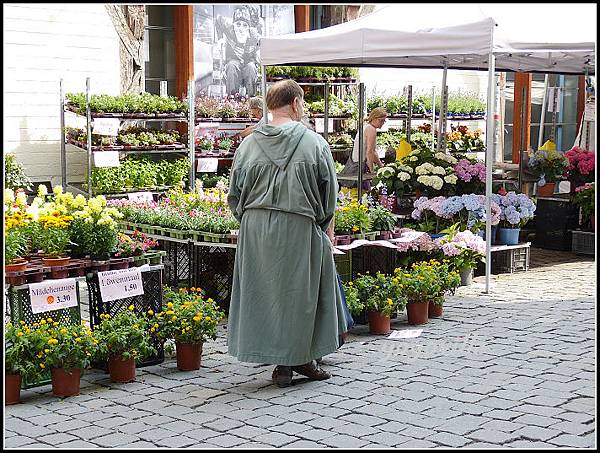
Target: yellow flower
(77,339)
(173,318)
(150,312)
(42,365)
(131,307)
(43,322)
(208,318)
(40,354)
(19,334)
(22,322)
(169,312)
(46,351)
(196,318)
(169,305)
(63,331)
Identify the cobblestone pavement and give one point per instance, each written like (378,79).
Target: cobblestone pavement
(515,368)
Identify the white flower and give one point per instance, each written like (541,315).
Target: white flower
(58,190)
(9,196)
(451,179)
(79,201)
(413,158)
(21,199)
(438,170)
(34,211)
(436,182)
(42,191)
(403,176)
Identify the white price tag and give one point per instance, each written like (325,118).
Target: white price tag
(106,159)
(115,285)
(53,295)
(207,165)
(139,197)
(106,126)
(409,236)
(320,125)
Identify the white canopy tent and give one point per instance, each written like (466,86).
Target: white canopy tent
(527,38)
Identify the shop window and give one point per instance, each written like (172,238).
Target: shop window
(159,42)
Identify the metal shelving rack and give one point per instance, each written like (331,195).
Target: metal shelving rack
(122,117)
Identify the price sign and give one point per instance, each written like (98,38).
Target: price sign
(106,159)
(115,285)
(320,125)
(207,165)
(140,197)
(53,295)
(408,236)
(106,126)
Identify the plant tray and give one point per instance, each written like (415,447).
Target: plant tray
(126,147)
(128,115)
(584,242)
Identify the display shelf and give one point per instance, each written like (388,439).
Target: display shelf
(82,188)
(175,148)
(178,148)
(200,119)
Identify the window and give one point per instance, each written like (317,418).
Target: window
(159,43)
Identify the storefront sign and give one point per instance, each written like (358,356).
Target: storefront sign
(140,197)
(115,285)
(106,159)
(106,126)
(53,295)
(207,165)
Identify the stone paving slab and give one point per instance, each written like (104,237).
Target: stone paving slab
(514,368)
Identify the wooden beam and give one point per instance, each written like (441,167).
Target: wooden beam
(302,18)
(580,100)
(183,18)
(522,104)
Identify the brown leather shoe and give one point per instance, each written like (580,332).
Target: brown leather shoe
(282,376)
(312,370)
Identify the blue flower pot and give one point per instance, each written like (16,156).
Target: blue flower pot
(437,235)
(481,234)
(508,236)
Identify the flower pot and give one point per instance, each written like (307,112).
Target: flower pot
(437,235)
(508,236)
(12,388)
(494,234)
(435,310)
(378,324)
(19,265)
(101,266)
(65,383)
(396,234)
(547,190)
(417,312)
(343,240)
(120,265)
(466,276)
(121,370)
(384,235)
(188,356)
(53,262)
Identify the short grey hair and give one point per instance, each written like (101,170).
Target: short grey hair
(256,103)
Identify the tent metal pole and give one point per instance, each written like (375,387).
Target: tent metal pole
(263,76)
(409,119)
(433,119)
(489,157)
(543,112)
(359,137)
(442,111)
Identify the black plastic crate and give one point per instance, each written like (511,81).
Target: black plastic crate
(584,243)
(373,259)
(19,309)
(511,260)
(212,270)
(554,219)
(343,265)
(152,281)
(178,262)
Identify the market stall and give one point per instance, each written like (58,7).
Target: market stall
(475,37)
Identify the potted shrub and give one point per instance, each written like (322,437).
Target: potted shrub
(355,306)
(19,360)
(53,237)
(584,198)
(382,220)
(190,321)
(421,285)
(449,279)
(68,350)
(464,250)
(515,211)
(121,340)
(547,166)
(581,167)
(384,299)
(396,178)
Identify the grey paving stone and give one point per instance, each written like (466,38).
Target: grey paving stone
(355,430)
(76,444)
(59,438)
(569,440)
(501,414)
(536,433)
(343,441)
(577,417)
(276,439)
(112,422)
(299,416)
(226,441)
(315,434)
(291,428)
(115,440)
(248,432)
(265,421)
(326,422)
(91,432)
(48,419)
(502,425)
(18,441)
(154,434)
(492,436)
(462,424)
(386,438)
(202,434)
(448,439)
(530,444)
(417,443)
(179,441)
(301,444)
(576,429)
(537,420)
(361,419)
(141,444)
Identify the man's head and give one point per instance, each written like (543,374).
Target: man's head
(286,96)
(241,23)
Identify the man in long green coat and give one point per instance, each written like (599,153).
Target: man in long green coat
(286,304)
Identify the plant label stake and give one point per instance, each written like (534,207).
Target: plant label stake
(120,284)
(53,295)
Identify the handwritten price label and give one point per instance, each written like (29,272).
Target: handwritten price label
(53,295)
(115,285)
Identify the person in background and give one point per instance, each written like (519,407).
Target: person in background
(256,111)
(286,306)
(374,120)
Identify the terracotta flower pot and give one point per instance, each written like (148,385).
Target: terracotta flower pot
(417,312)
(378,324)
(65,383)
(121,370)
(52,262)
(435,310)
(121,265)
(19,265)
(188,356)
(12,388)
(547,190)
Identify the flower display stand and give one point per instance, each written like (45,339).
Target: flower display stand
(508,259)
(555,218)
(18,308)
(152,281)
(583,242)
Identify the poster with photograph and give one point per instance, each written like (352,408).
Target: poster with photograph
(226,45)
